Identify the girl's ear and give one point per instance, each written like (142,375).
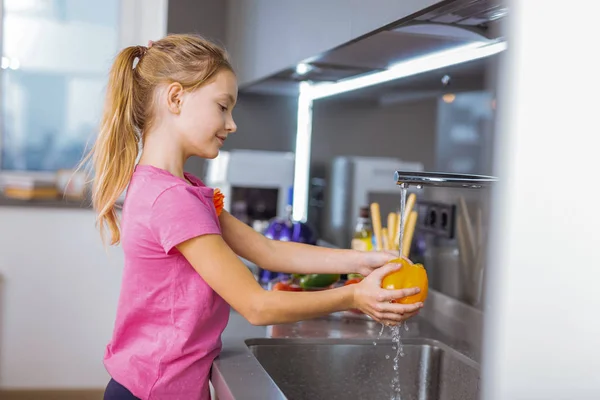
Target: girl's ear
(174,97)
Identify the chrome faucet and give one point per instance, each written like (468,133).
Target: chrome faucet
(420,179)
(472,254)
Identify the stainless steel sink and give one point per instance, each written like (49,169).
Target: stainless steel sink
(356,369)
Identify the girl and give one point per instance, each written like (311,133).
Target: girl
(172,100)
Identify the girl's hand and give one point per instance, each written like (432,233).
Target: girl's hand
(370,261)
(373,300)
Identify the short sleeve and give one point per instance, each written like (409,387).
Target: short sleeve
(181,213)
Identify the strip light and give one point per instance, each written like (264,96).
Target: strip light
(302,157)
(310,92)
(414,66)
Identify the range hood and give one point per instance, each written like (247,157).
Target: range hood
(446,24)
(472,13)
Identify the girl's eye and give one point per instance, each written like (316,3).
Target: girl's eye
(223,108)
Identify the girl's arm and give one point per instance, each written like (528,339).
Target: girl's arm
(289,257)
(220,267)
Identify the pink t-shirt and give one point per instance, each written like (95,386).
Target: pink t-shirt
(169,320)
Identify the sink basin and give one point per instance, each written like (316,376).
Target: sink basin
(357,369)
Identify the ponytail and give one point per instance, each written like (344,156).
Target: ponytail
(129,111)
(116,149)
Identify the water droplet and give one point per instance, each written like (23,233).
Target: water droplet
(396,367)
(374,343)
(387,356)
(393,347)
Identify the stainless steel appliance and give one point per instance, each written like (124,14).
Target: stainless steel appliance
(255,183)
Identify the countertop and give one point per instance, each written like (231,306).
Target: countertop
(237,374)
(84,204)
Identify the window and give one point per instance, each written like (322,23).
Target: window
(55,60)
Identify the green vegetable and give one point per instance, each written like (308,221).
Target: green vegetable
(352,276)
(318,280)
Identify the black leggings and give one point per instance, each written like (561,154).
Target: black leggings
(116,391)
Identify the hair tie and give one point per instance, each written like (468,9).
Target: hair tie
(146,48)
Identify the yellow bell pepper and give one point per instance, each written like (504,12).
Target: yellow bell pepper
(408,276)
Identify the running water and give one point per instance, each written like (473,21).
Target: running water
(397,340)
(396,330)
(403,191)
(380,334)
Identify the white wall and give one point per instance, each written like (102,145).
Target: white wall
(266,36)
(58,298)
(542,332)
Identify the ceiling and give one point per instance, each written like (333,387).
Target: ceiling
(448,24)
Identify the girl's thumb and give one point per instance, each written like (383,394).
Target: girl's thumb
(381,272)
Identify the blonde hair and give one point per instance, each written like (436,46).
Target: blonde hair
(128,112)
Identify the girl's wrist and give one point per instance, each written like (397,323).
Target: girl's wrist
(352,296)
(360,262)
